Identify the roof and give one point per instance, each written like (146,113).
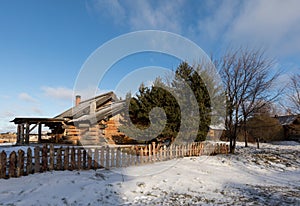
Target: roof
(84,106)
(287,120)
(35,120)
(105,112)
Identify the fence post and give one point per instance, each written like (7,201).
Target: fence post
(112,157)
(29,162)
(89,159)
(118,157)
(141,157)
(51,158)
(2,164)
(79,167)
(107,158)
(73,163)
(84,159)
(102,156)
(12,164)
(66,159)
(44,158)
(96,158)
(123,157)
(20,163)
(36,159)
(59,159)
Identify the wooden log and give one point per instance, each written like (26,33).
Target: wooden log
(3,164)
(59,159)
(12,164)
(37,157)
(51,158)
(20,163)
(66,158)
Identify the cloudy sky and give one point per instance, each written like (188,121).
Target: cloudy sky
(43,44)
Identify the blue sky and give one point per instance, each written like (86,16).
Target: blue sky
(43,44)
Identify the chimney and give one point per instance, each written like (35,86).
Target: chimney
(77,100)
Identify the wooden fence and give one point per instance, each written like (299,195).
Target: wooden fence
(48,158)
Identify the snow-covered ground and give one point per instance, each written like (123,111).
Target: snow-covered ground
(266,176)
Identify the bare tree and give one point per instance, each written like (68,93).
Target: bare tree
(248,81)
(294,94)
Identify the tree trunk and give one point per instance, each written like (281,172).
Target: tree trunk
(245,134)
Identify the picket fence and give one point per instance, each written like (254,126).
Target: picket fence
(49,158)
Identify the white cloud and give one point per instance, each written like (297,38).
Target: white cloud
(142,14)
(274,24)
(26,97)
(61,93)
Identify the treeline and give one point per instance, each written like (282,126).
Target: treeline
(182,107)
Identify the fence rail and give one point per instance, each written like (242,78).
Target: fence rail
(48,158)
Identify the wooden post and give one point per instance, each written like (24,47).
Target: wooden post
(44,158)
(150,152)
(107,158)
(79,167)
(40,133)
(20,163)
(12,164)
(123,161)
(102,157)
(19,134)
(36,159)
(112,154)
(73,163)
(59,159)
(118,157)
(84,159)
(96,158)
(89,159)
(2,164)
(29,162)
(51,158)
(146,157)
(141,156)
(27,133)
(66,158)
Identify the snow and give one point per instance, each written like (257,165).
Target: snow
(265,176)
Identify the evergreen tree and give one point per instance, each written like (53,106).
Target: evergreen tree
(162,96)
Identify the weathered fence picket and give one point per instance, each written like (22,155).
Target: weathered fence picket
(48,158)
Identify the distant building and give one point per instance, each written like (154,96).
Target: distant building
(291,126)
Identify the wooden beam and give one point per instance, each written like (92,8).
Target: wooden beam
(19,133)
(22,133)
(27,131)
(40,133)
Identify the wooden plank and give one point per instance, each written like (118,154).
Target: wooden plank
(3,164)
(36,159)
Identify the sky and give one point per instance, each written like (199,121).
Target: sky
(44,44)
